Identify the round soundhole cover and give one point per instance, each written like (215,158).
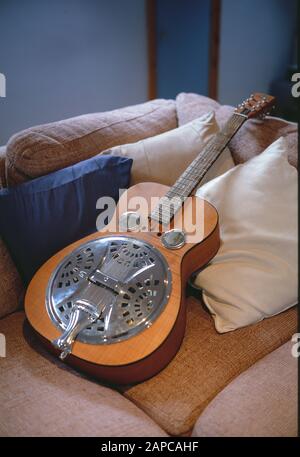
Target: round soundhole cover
(173,239)
(137,266)
(130,221)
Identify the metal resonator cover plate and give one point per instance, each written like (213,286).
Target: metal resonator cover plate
(138,266)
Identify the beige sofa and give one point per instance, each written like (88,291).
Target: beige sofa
(242,383)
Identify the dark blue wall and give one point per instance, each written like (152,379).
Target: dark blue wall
(182,46)
(62,58)
(256,45)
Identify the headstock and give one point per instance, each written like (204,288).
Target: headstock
(257,105)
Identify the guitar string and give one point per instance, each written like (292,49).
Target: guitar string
(189,179)
(204,159)
(182,189)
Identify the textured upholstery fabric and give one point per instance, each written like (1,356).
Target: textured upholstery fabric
(205,364)
(42,149)
(152,157)
(253,137)
(40,396)
(11,287)
(262,402)
(2,166)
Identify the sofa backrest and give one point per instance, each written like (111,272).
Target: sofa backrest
(46,148)
(253,137)
(42,149)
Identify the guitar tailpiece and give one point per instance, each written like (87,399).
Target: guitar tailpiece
(83,313)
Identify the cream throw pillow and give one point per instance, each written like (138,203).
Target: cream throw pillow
(162,158)
(254,275)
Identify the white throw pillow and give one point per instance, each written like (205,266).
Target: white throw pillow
(254,274)
(162,158)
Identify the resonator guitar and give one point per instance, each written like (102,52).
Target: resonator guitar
(113,303)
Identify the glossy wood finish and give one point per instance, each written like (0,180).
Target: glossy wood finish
(257,105)
(149,351)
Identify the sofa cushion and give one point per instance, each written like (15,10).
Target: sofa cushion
(11,286)
(206,362)
(179,147)
(255,272)
(42,216)
(262,402)
(253,137)
(40,396)
(42,149)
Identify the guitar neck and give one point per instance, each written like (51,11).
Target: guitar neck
(192,176)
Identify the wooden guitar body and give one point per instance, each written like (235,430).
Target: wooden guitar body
(181,236)
(146,353)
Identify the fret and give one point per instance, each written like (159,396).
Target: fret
(190,178)
(174,193)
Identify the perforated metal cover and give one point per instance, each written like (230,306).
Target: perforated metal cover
(143,281)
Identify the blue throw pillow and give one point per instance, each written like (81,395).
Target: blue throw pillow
(40,217)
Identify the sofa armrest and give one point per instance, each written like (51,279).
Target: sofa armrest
(261,402)
(11,286)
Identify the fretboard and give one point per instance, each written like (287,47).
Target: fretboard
(192,176)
